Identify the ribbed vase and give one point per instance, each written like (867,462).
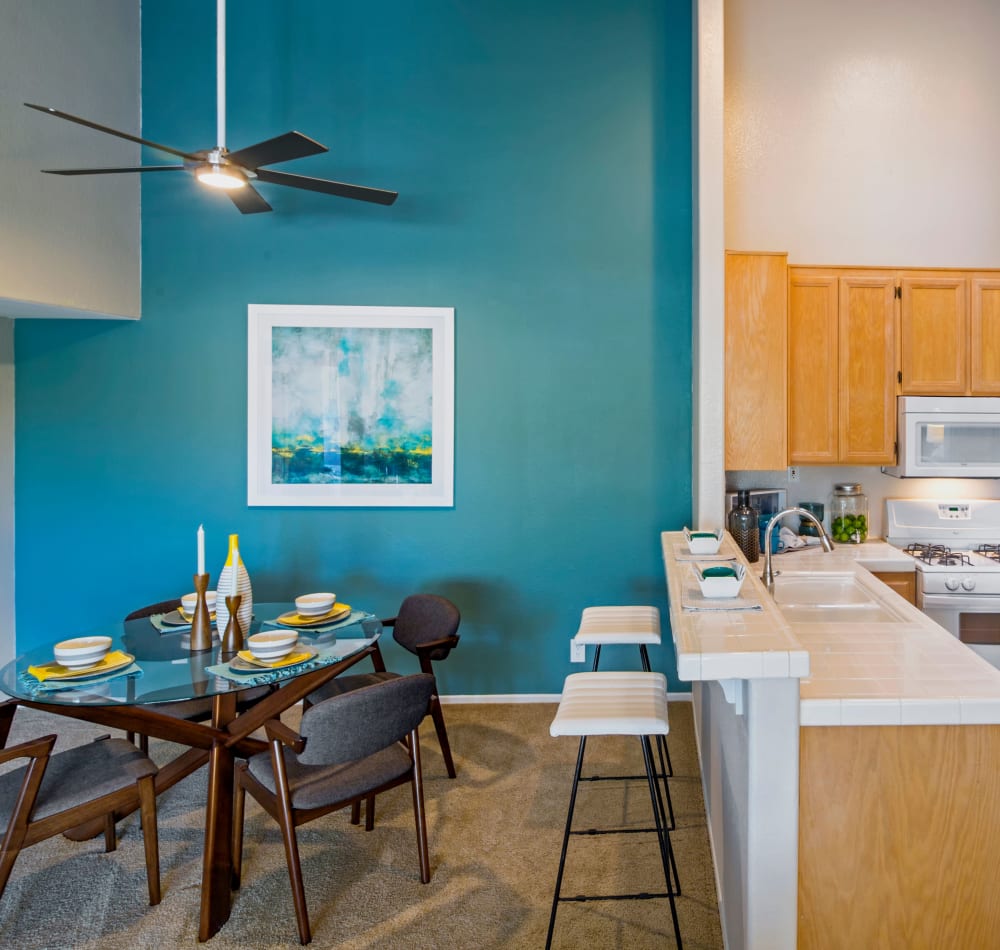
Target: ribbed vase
(224,587)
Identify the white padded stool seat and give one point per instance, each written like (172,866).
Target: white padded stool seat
(612,704)
(615,625)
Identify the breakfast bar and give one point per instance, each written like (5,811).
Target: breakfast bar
(847,755)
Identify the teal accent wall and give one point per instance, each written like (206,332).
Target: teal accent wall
(542,151)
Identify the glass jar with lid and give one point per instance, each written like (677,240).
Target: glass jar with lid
(848,514)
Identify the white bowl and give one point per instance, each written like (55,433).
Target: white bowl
(188,602)
(315,605)
(82,651)
(272,644)
(722,580)
(703,542)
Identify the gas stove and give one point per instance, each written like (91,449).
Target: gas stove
(956,547)
(956,544)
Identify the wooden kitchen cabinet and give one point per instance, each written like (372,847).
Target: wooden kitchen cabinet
(813,397)
(934,333)
(949,333)
(841,383)
(984,334)
(903,583)
(756,327)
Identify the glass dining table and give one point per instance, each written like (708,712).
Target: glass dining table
(164,670)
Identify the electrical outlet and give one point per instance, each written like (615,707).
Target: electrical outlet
(793,473)
(577,652)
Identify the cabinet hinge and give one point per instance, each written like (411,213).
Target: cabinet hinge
(898,293)
(899,376)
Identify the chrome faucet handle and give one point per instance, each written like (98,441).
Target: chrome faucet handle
(824,539)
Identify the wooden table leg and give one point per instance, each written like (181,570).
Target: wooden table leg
(217,869)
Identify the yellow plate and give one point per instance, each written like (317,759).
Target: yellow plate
(246,662)
(294,619)
(115,660)
(186,617)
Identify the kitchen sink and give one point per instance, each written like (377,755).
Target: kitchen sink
(829,597)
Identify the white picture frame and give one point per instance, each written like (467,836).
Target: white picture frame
(350,406)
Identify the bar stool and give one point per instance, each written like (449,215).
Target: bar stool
(617,704)
(623,626)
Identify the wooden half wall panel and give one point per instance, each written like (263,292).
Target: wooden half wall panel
(899,829)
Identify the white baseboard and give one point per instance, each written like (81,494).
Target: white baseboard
(533,698)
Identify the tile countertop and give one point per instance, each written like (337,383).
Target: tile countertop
(908,673)
(874,555)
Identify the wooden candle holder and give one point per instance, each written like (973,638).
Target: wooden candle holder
(201,623)
(232,639)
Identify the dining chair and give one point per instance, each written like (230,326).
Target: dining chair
(348,747)
(427,626)
(54,793)
(194,710)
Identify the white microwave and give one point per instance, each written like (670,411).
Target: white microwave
(947,437)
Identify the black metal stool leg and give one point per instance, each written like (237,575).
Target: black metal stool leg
(662,835)
(565,844)
(669,770)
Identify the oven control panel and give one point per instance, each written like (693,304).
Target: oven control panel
(955,512)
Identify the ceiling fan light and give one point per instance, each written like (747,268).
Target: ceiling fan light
(221,176)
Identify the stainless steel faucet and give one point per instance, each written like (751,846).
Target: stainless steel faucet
(768,576)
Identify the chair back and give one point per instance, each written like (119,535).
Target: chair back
(364,721)
(163,607)
(423,618)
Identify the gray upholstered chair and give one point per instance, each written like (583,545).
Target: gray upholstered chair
(427,626)
(54,793)
(348,747)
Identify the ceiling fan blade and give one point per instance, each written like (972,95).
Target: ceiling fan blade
(113,171)
(322,185)
(283,148)
(122,135)
(248,200)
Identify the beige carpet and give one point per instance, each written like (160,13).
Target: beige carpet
(494,834)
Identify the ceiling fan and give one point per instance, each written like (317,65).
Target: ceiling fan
(232,171)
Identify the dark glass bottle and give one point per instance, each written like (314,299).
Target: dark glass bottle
(743,527)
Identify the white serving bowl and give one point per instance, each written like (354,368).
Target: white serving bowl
(703,542)
(82,651)
(314,605)
(188,602)
(272,644)
(720,580)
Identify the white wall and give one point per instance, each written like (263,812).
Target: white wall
(864,133)
(69,246)
(708,262)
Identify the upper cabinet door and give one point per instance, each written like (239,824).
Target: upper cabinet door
(756,321)
(867,369)
(812,367)
(985,336)
(934,334)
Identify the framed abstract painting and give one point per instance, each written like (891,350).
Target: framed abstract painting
(350,406)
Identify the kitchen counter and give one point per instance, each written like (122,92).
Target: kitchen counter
(874,554)
(908,673)
(836,757)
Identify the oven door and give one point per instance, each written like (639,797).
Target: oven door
(973,620)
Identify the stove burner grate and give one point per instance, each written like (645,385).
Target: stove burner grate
(941,555)
(992,551)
